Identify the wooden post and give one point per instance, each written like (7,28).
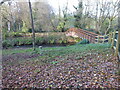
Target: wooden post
(103,39)
(117,44)
(98,39)
(119,30)
(113,37)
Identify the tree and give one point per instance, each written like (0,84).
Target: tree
(79,15)
(63,19)
(65,12)
(3,1)
(22,16)
(7,16)
(105,14)
(14,15)
(42,13)
(54,20)
(119,29)
(32,24)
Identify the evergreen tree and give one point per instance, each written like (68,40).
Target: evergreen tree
(78,15)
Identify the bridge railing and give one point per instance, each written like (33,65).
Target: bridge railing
(87,35)
(92,37)
(112,38)
(102,39)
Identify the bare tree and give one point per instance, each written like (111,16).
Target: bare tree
(53,20)
(65,12)
(8,15)
(42,16)
(105,12)
(112,14)
(3,1)
(32,24)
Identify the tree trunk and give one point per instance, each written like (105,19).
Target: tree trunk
(98,27)
(108,27)
(63,28)
(59,13)
(14,28)
(19,27)
(9,27)
(32,24)
(119,32)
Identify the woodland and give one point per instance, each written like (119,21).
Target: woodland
(37,53)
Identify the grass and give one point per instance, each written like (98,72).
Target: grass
(56,60)
(60,50)
(48,54)
(14,51)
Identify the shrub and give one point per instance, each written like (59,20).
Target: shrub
(17,34)
(84,41)
(52,41)
(39,40)
(77,39)
(30,30)
(7,43)
(60,41)
(11,35)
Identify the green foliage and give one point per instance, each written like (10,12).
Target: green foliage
(6,43)
(36,51)
(60,26)
(30,30)
(84,41)
(49,39)
(78,16)
(24,28)
(77,39)
(7,35)
(16,34)
(54,62)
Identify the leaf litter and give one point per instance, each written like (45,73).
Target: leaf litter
(82,70)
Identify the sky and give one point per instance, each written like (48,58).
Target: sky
(55,3)
(62,3)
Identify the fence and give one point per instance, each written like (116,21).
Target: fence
(115,42)
(102,39)
(113,38)
(87,35)
(92,37)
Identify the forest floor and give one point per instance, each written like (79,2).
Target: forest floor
(77,66)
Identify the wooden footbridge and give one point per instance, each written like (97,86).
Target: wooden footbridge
(84,34)
(112,38)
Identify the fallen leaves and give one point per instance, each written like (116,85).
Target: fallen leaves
(89,71)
